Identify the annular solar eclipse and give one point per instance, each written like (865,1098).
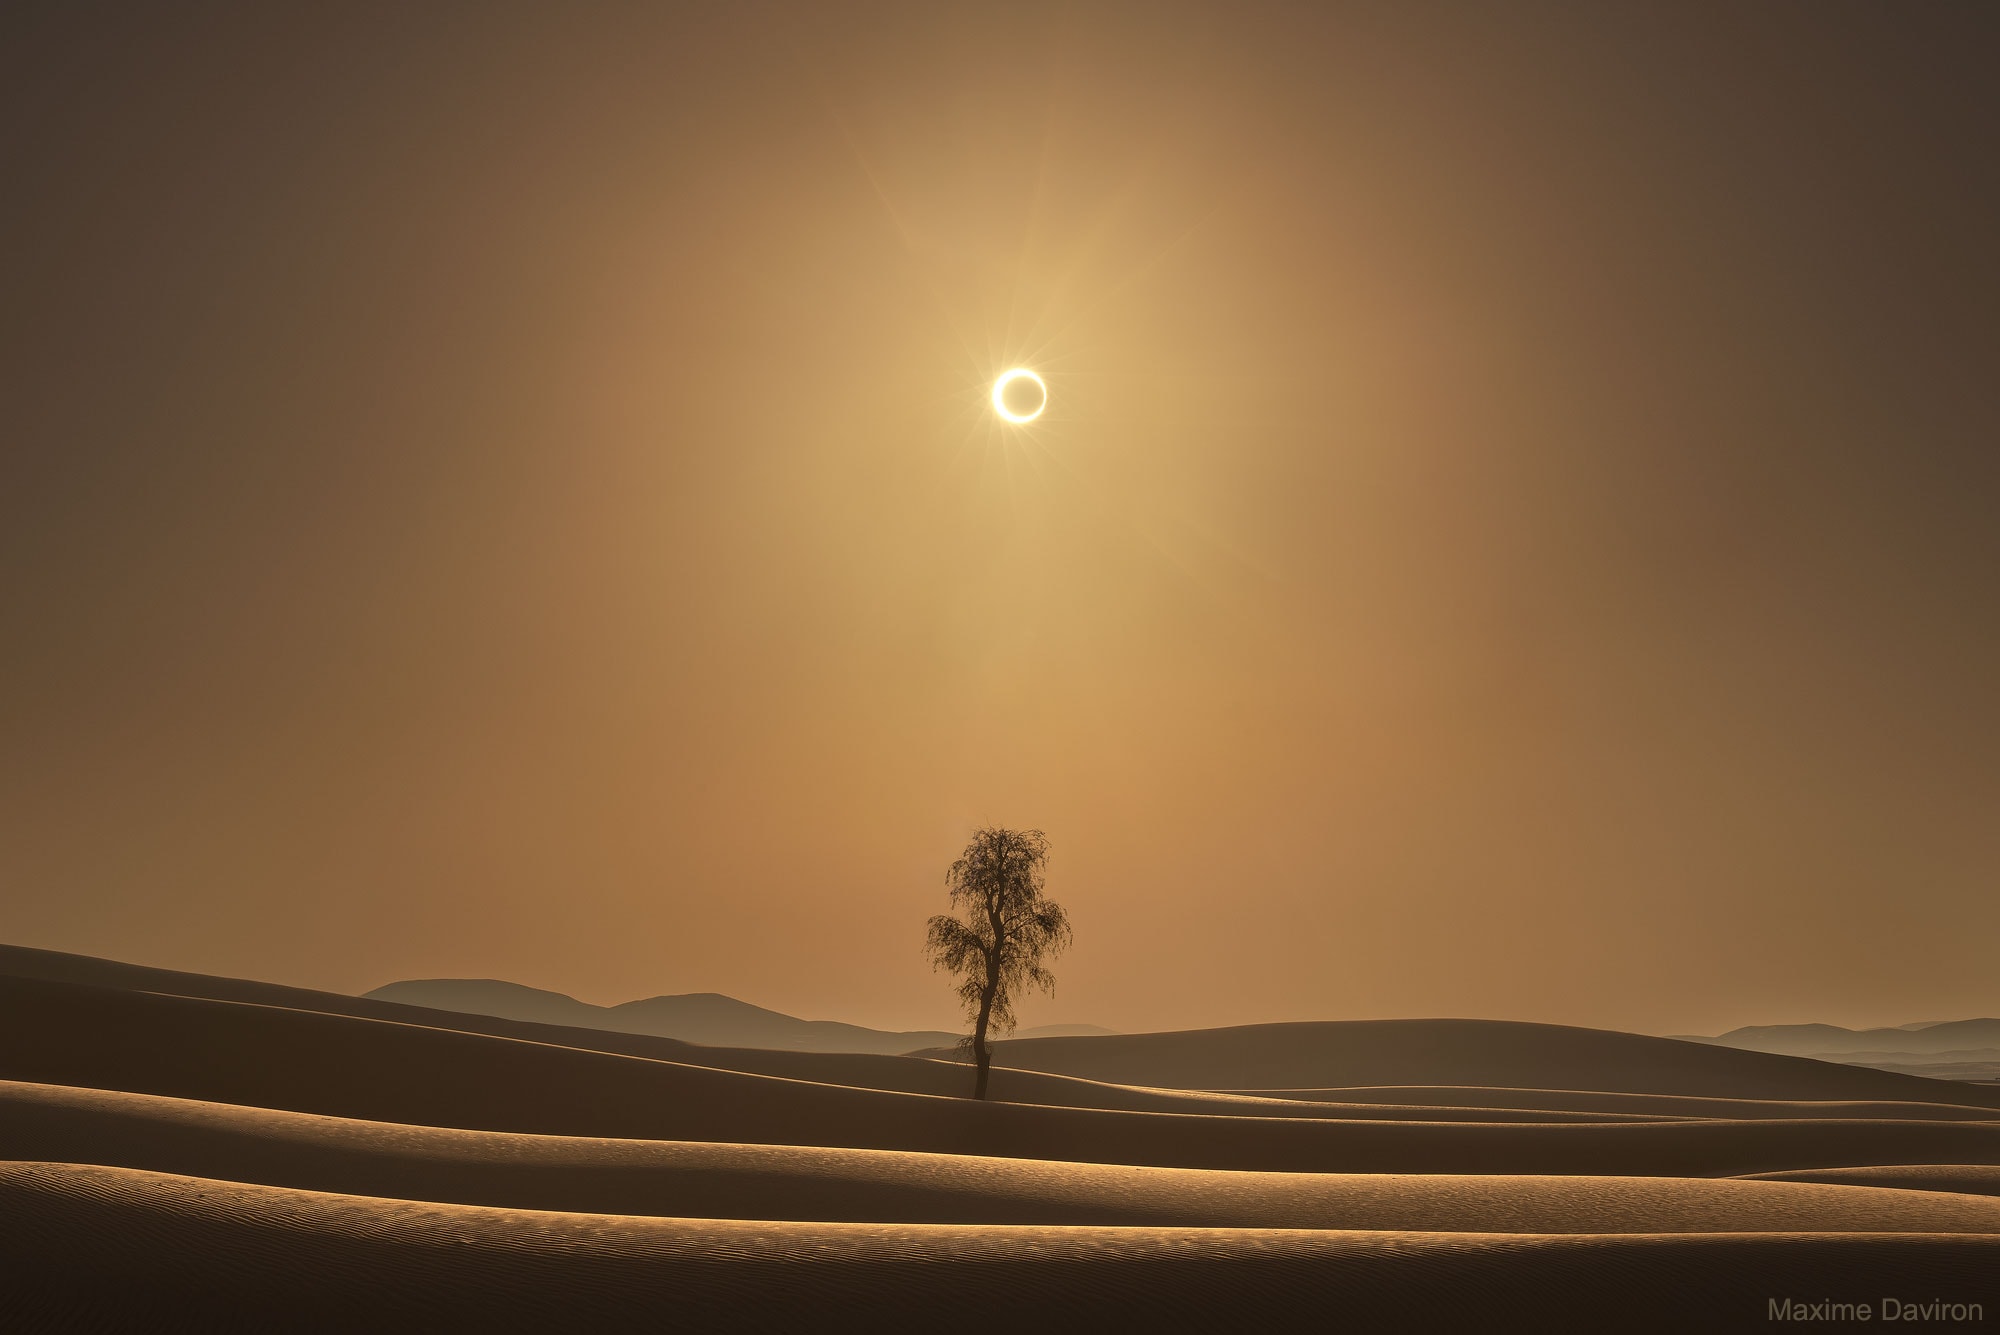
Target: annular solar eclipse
(1020,395)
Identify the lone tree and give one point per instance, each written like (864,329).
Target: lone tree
(1004,929)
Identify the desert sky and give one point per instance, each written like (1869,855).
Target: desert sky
(510,491)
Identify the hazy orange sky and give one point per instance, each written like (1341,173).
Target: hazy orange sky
(509,491)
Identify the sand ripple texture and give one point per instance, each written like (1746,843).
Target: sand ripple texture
(199,1255)
(189,1153)
(809,1183)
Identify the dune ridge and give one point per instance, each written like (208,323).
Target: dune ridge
(204,1255)
(340,1065)
(912,1075)
(1965,1178)
(801,1183)
(1504,1054)
(1607,1102)
(276,1158)
(1520,1051)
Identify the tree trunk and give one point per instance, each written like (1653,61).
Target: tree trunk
(980,1052)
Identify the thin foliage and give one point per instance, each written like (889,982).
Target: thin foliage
(1003,931)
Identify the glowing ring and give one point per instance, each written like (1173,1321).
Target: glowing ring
(1000,394)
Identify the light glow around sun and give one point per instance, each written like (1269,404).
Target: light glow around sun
(1001,385)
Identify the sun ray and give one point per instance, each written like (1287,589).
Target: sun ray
(1132,276)
(904,235)
(1037,196)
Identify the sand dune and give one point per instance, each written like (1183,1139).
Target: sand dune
(952,1079)
(220,1141)
(1502,1054)
(1604,1103)
(1968,1178)
(943,1078)
(101,1246)
(1447,1051)
(310,1062)
(228,1155)
(55,966)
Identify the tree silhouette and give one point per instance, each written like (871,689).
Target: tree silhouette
(1004,930)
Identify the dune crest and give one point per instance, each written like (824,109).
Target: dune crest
(200,1254)
(247,1156)
(787,1182)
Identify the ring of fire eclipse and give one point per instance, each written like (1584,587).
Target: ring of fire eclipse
(1010,388)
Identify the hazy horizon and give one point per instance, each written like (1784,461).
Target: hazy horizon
(512,493)
(1055,1016)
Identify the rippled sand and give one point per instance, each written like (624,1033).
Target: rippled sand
(55,1123)
(202,1154)
(114,1248)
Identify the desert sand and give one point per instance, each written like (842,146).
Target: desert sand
(606,1175)
(188,1153)
(1493,1053)
(126,1248)
(1603,1103)
(1977,1179)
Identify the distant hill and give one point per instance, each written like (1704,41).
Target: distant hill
(1945,1049)
(502,1006)
(1823,1040)
(1316,1058)
(708,1018)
